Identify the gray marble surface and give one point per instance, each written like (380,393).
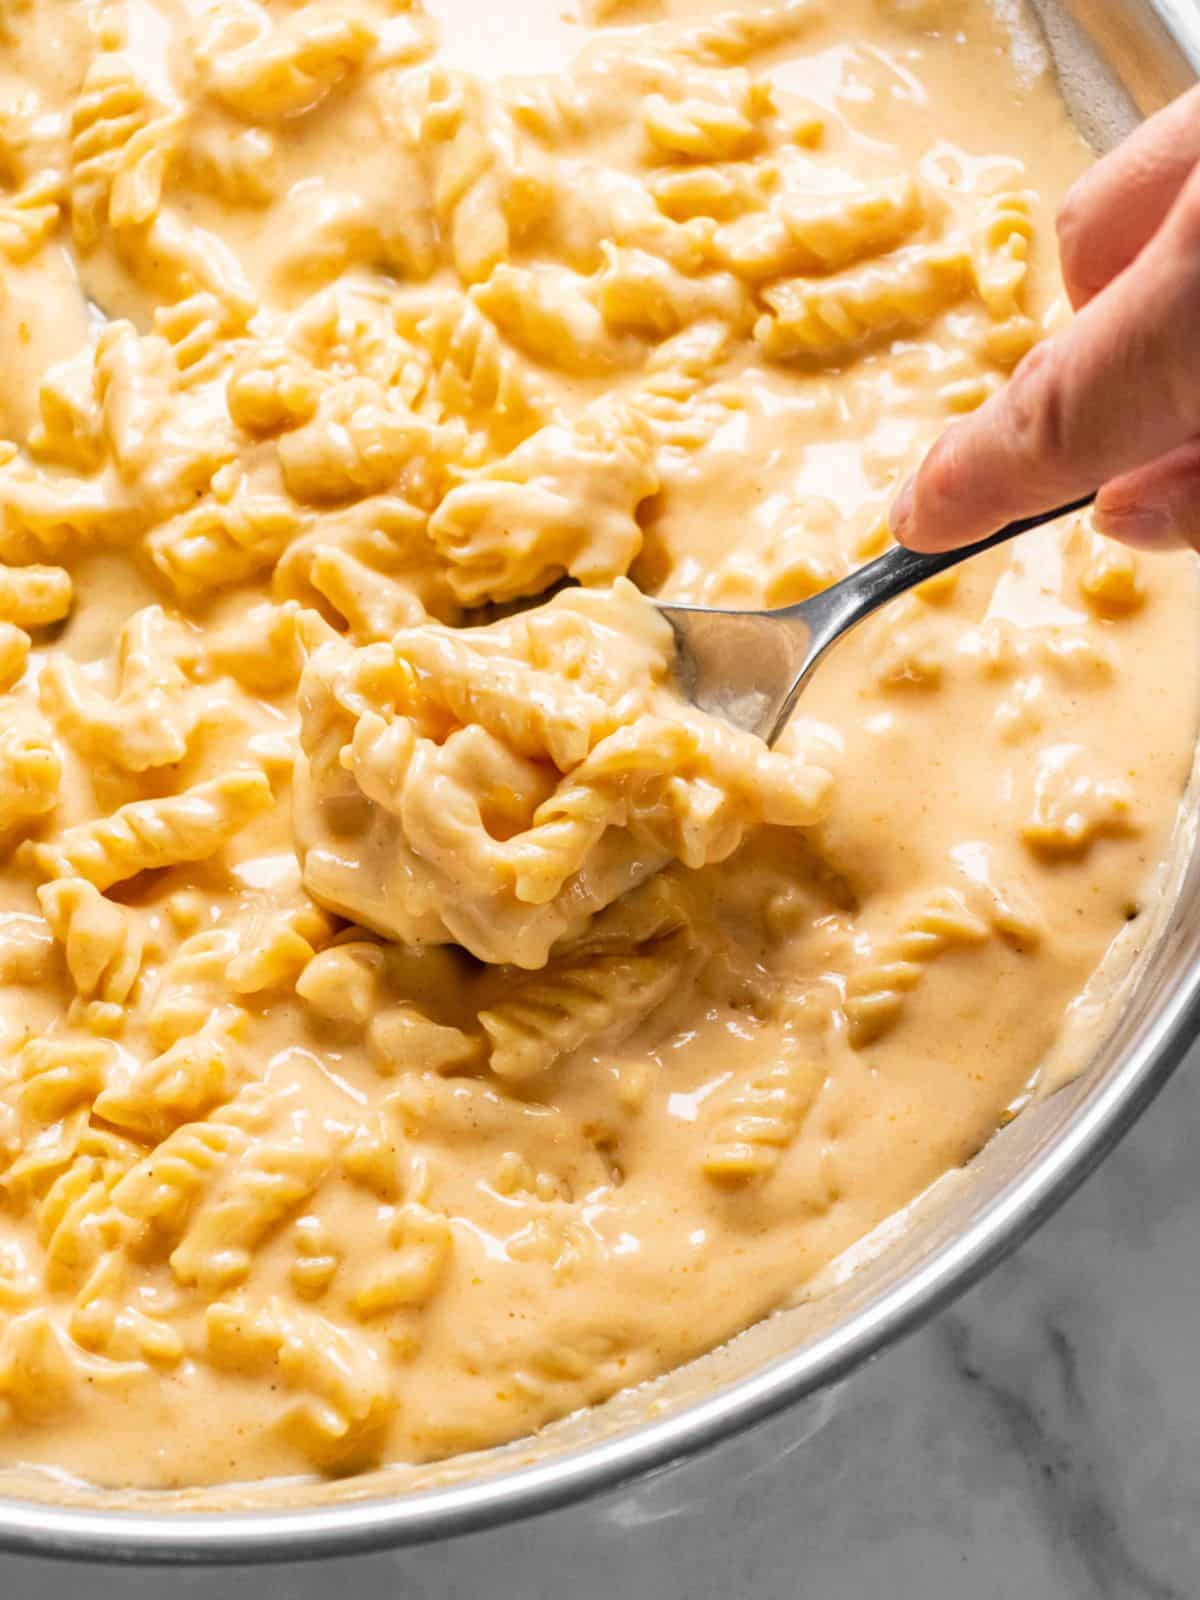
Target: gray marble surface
(1040,1441)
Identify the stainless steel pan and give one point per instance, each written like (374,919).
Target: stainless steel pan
(1116,58)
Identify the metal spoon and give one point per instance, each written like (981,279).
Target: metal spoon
(750,666)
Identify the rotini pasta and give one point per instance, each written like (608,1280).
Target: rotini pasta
(875,995)
(102,941)
(159,1192)
(198,1071)
(30,766)
(37,1378)
(737,35)
(31,597)
(562,503)
(819,235)
(217,1247)
(419,1244)
(550,313)
(156,710)
(147,835)
(1073,808)
(752,1126)
(830,320)
(716,127)
(476,377)
(344,1395)
(29,216)
(15,645)
(122,138)
(266,72)
(486,187)
(574,1002)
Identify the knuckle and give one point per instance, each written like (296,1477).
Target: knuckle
(1187,212)
(945,477)
(1077,245)
(1038,411)
(953,487)
(1180,490)
(1070,226)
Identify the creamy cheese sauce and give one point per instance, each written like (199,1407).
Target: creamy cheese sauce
(416,1023)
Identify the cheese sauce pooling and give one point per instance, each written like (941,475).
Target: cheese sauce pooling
(416,1024)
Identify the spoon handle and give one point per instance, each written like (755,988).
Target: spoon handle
(899,569)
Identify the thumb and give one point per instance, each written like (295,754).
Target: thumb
(1157,507)
(1114,391)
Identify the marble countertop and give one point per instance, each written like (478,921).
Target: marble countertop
(1039,1441)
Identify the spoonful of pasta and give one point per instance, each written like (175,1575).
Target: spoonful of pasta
(749,667)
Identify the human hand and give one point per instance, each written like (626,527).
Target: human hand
(1112,402)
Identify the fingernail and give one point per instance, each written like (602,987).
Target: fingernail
(1150,527)
(900,518)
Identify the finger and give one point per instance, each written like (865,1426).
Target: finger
(1157,507)
(1109,216)
(1115,390)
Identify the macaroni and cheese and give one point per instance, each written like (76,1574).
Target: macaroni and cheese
(416,1020)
